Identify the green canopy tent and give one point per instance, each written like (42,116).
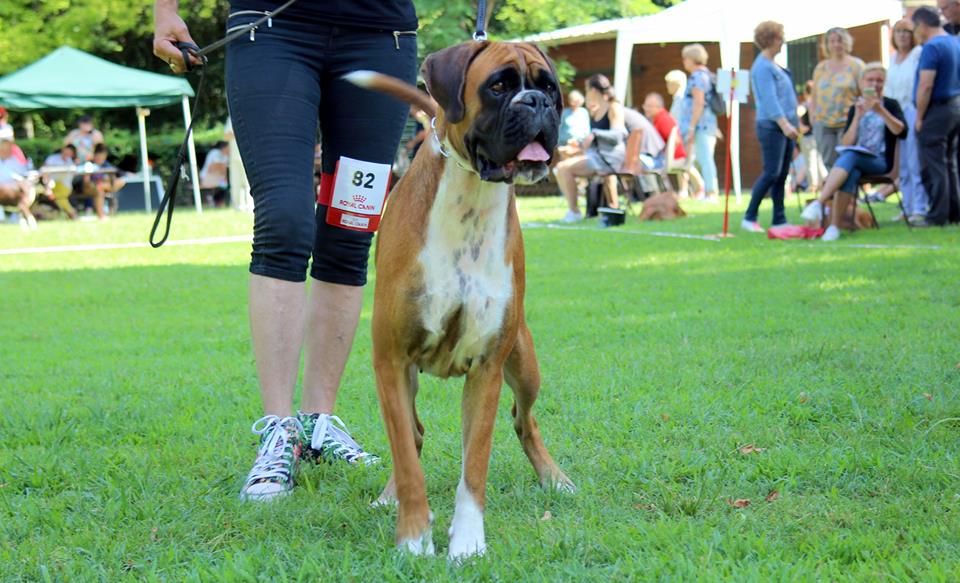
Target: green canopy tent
(70,78)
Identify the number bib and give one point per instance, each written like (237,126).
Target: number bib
(355,194)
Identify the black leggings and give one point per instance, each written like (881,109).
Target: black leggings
(279,87)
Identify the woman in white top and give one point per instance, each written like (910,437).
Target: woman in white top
(899,86)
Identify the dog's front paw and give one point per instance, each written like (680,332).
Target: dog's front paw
(466,545)
(421,546)
(558,482)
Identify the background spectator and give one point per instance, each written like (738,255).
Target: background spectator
(676,81)
(655,110)
(651,148)
(14,188)
(84,138)
(698,124)
(834,91)
(874,123)
(99,185)
(951,13)
(602,151)
(6,132)
(60,183)
(938,116)
(574,125)
(815,170)
(213,175)
(776,119)
(900,86)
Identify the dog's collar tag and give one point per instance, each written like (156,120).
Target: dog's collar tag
(358,194)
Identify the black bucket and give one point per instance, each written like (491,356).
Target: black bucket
(611,217)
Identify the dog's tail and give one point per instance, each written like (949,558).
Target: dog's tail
(393,87)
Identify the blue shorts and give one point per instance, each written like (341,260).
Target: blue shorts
(858,164)
(280,87)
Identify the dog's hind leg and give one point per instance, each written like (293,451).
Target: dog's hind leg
(389,495)
(396,399)
(523,375)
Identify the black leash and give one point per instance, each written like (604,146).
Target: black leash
(188,50)
(480,33)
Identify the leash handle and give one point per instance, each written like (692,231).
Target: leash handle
(188,49)
(170,196)
(480,33)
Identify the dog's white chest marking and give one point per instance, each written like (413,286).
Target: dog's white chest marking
(465,270)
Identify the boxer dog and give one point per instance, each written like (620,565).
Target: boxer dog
(450,273)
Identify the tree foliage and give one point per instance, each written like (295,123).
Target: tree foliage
(122,31)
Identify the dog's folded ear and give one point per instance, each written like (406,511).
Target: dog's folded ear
(445,73)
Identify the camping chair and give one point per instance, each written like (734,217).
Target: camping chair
(672,166)
(891,177)
(629,169)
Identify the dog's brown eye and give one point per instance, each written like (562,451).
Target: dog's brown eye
(498,87)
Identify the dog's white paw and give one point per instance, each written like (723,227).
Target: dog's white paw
(467,538)
(464,546)
(421,546)
(384,502)
(558,482)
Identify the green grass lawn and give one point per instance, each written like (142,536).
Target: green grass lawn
(127,390)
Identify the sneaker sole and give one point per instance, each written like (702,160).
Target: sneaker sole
(264,497)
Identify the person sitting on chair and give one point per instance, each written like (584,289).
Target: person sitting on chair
(868,147)
(99,185)
(213,175)
(574,126)
(59,179)
(603,149)
(655,110)
(15,189)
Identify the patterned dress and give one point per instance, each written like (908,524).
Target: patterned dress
(836,91)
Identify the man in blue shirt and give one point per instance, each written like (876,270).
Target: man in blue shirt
(937,96)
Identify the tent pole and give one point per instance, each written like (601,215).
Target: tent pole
(621,65)
(192,149)
(142,114)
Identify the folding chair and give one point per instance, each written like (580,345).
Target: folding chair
(891,177)
(672,166)
(629,169)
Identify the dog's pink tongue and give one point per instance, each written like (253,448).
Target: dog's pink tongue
(533,152)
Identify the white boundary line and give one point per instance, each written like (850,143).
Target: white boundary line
(711,238)
(717,239)
(111,246)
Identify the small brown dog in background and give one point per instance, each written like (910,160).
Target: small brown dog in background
(662,206)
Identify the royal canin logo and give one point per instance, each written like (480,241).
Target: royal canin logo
(359,198)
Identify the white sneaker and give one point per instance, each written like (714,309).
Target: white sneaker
(330,441)
(272,475)
(812,212)
(831,234)
(752,226)
(572,217)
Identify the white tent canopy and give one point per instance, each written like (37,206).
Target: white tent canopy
(728,22)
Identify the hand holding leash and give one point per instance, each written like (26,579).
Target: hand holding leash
(169,34)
